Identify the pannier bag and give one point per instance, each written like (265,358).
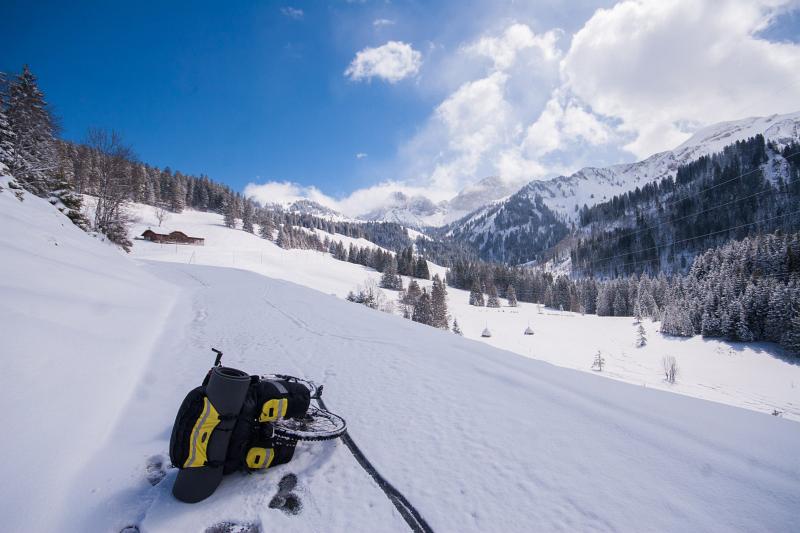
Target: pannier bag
(225,425)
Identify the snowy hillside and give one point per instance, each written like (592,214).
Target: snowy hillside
(592,185)
(79,323)
(564,196)
(479,439)
(750,376)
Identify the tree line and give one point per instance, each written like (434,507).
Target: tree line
(415,303)
(28,144)
(745,290)
(751,187)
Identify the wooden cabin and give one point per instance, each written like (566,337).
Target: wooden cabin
(176,237)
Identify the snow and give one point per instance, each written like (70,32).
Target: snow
(478,438)
(78,322)
(414,235)
(751,375)
(780,129)
(239,249)
(754,376)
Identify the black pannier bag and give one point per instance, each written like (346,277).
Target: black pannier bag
(226,425)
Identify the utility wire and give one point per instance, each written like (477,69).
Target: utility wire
(679,241)
(698,193)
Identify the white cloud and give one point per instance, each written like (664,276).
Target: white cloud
(286,191)
(637,78)
(660,66)
(357,203)
(519,104)
(477,130)
(503,49)
(378,23)
(292,12)
(561,125)
(361,155)
(392,62)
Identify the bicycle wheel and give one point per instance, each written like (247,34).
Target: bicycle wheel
(317,424)
(310,385)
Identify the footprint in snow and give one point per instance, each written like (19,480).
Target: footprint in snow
(286,500)
(235,527)
(156,469)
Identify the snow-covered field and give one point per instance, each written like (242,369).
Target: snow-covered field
(754,376)
(102,348)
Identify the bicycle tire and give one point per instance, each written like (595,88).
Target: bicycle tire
(317,425)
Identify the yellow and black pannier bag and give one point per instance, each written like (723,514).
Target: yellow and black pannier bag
(189,415)
(226,425)
(253,444)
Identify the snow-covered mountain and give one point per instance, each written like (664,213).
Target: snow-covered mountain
(419,212)
(477,195)
(305,206)
(564,196)
(310,207)
(120,339)
(415,211)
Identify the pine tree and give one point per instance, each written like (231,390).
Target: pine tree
(405,262)
(439,303)
(493,300)
(178,193)
(743,332)
(620,305)
(34,155)
(266,227)
(423,313)
(421,269)
(412,294)
(230,209)
(247,216)
(284,239)
(476,295)
(778,315)
(791,337)
(641,337)
(457,328)
(676,322)
(511,296)
(6,133)
(390,279)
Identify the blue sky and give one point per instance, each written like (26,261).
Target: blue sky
(257,92)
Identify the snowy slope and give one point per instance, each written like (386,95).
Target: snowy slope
(479,439)
(473,436)
(239,249)
(78,323)
(753,376)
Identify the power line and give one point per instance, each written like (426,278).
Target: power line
(679,241)
(766,190)
(720,184)
(696,194)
